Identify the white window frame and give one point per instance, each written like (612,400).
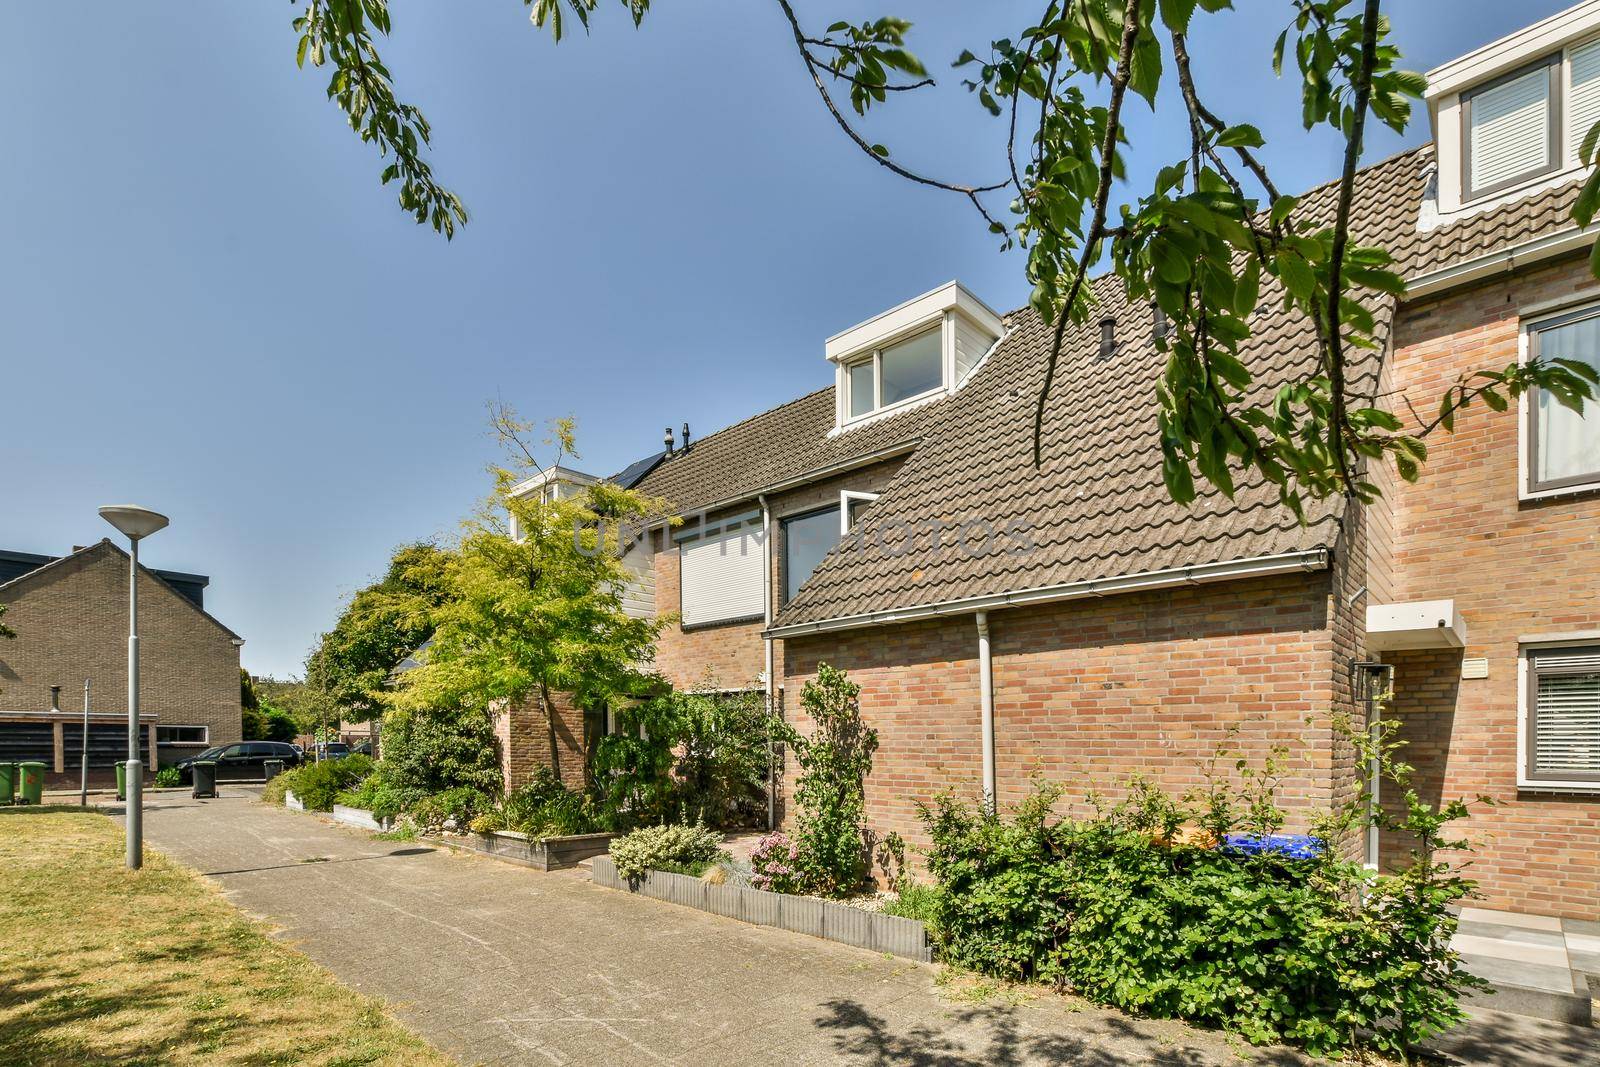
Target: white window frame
(846,498)
(875,357)
(1524,712)
(1545,317)
(205,732)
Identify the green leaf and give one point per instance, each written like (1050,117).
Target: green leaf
(1588,200)
(1297,275)
(1175,14)
(1146,75)
(1241,136)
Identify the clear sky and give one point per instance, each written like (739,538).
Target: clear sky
(208,305)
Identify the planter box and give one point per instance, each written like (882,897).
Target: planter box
(542,854)
(360,817)
(804,915)
(293,802)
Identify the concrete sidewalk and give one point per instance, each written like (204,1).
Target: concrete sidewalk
(500,964)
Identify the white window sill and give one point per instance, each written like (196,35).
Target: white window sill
(1561,491)
(1541,786)
(893,409)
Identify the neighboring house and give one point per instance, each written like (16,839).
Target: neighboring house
(1007,620)
(70,614)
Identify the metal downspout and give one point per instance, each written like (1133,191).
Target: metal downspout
(766,674)
(986,697)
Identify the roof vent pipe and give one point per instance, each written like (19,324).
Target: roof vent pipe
(1108,337)
(666,440)
(1158,322)
(55,698)
(686,437)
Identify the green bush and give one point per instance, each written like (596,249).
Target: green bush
(428,752)
(167,777)
(317,784)
(1318,952)
(832,858)
(379,794)
(915,901)
(649,848)
(461,803)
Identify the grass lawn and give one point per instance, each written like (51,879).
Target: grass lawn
(99,964)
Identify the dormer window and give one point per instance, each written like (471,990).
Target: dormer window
(911,354)
(896,373)
(1509,127)
(1509,118)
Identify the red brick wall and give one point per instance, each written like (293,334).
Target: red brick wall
(524,737)
(1515,569)
(1090,692)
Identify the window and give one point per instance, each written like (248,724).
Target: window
(182,735)
(1509,128)
(806,539)
(896,373)
(1562,741)
(1564,445)
(720,572)
(1583,94)
(854,505)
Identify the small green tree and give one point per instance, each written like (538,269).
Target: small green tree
(381,625)
(831,791)
(536,612)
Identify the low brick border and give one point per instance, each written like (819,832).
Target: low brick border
(893,934)
(360,817)
(292,802)
(540,853)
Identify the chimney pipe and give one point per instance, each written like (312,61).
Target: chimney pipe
(1108,337)
(686,437)
(55,698)
(666,440)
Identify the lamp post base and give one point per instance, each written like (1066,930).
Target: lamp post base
(134,814)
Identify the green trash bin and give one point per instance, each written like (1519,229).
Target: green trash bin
(30,787)
(8,783)
(122,779)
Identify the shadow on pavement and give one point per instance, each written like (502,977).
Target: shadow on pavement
(320,860)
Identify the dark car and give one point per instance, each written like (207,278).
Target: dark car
(330,750)
(243,761)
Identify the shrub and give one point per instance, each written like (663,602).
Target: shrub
(722,745)
(832,857)
(427,752)
(461,803)
(915,901)
(1316,950)
(379,794)
(544,807)
(317,784)
(775,865)
(648,848)
(167,777)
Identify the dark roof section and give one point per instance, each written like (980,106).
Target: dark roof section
(777,447)
(192,587)
(1097,507)
(630,475)
(186,586)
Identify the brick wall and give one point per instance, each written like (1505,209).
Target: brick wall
(523,734)
(1089,692)
(71,620)
(1516,569)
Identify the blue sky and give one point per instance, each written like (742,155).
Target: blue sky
(210,307)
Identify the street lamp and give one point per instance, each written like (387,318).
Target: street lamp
(136,523)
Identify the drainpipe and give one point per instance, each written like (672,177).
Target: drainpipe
(986,696)
(767,686)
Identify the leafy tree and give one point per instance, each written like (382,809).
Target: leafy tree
(380,626)
(537,613)
(831,855)
(276,725)
(1211,243)
(5,631)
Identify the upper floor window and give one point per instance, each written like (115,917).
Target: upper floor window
(896,373)
(182,735)
(1510,128)
(1564,445)
(806,540)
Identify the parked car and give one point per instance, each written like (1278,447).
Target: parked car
(330,750)
(242,761)
(362,748)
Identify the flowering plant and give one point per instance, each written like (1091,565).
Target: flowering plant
(774,864)
(1289,846)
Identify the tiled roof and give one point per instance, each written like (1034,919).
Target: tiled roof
(775,447)
(1097,507)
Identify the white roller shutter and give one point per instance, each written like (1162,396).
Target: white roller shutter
(1509,134)
(1566,723)
(721,577)
(1583,94)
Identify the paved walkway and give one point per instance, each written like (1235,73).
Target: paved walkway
(500,964)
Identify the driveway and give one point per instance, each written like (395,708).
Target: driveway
(500,964)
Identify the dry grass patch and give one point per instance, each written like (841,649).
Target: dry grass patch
(101,964)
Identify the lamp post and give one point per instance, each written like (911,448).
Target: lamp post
(135,523)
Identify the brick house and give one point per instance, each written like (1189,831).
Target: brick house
(1008,620)
(70,614)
